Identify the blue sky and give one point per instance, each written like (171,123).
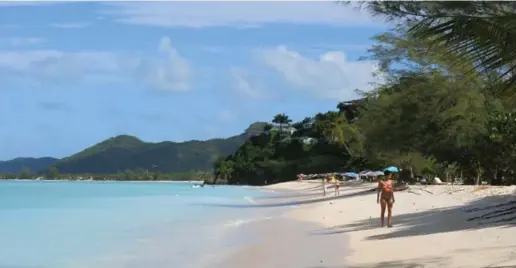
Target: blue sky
(74,74)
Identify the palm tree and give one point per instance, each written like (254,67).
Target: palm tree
(281,120)
(348,109)
(335,129)
(482,32)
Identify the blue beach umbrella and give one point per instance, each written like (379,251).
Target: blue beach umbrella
(364,173)
(392,169)
(350,174)
(375,173)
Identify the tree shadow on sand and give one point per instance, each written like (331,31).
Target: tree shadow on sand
(434,261)
(486,212)
(287,195)
(415,263)
(290,203)
(314,192)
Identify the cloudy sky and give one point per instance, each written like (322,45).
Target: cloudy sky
(74,74)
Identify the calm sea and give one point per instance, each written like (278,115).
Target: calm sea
(58,224)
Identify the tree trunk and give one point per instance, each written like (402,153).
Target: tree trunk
(347,149)
(479,173)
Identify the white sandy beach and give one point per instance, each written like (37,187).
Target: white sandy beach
(431,229)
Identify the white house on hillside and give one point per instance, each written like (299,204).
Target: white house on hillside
(309,140)
(304,140)
(287,129)
(309,124)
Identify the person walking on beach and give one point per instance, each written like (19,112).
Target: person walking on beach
(324,182)
(385,197)
(337,186)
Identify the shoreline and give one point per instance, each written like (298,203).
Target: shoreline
(434,226)
(283,240)
(68,180)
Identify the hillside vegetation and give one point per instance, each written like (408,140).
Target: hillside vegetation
(125,152)
(128,158)
(445,106)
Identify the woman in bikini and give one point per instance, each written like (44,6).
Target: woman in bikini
(385,197)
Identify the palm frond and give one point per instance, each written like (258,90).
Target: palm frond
(480,31)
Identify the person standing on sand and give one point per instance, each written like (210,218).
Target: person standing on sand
(337,186)
(324,182)
(385,197)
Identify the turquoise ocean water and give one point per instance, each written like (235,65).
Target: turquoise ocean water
(59,224)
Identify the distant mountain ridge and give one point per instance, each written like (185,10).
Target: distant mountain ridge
(17,165)
(125,152)
(130,153)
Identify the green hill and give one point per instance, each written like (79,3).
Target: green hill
(130,153)
(19,164)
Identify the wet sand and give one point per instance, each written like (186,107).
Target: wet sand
(284,242)
(434,226)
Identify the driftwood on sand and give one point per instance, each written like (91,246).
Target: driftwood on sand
(412,192)
(396,188)
(400,187)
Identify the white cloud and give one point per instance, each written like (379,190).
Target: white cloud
(233,13)
(53,64)
(32,3)
(20,41)
(323,47)
(168,72)
(71,25)
(244,86)
(331,76)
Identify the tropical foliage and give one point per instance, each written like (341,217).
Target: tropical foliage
(52,173)
(483,32)
(444,107)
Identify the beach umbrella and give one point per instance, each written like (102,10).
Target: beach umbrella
(392,169)
(364,173)
(350,174)
(375,173)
